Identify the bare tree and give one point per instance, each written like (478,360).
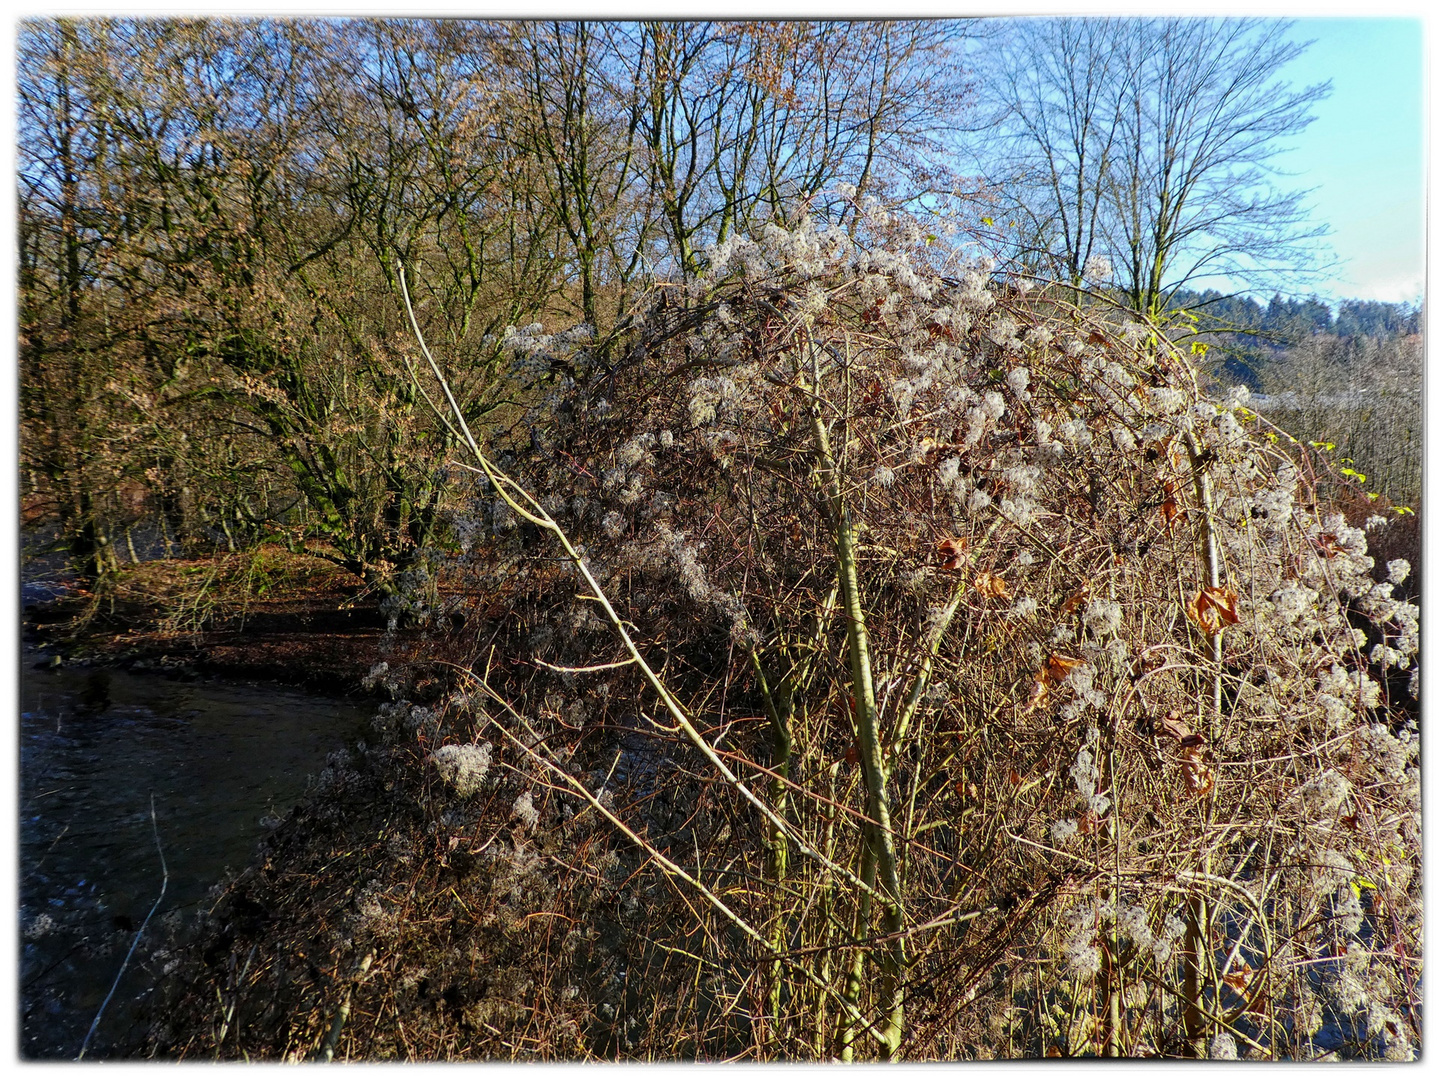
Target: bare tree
(73,420)
(748,123)
(207,312)
(1358,398)
(1150,146)
(1056,83)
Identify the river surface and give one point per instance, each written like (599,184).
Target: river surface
(95,746)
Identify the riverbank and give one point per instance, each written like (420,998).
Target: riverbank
(383,897)
(392,919)
(269,615)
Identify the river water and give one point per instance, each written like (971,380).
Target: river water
(95,746)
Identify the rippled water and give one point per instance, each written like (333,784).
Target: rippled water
(95,746)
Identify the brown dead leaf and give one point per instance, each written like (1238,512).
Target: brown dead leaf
(1239,978)
(1039,691)
(991,585)
(1199,777)
(1212,609)
(1170,509)
(1057,666)
(1174,726)
(953,550)
(1197,615)
(1075,599)
(1226,602)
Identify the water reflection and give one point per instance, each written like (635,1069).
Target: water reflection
(95,745)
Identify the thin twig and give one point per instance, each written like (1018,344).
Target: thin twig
(164,883)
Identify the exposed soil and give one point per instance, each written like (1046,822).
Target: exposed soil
(273,616)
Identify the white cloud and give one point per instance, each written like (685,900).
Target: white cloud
(1397,289)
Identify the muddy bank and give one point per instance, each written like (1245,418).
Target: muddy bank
(309,626)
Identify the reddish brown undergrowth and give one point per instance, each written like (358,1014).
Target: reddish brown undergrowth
(267,613)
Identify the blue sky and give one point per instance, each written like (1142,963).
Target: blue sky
(1364,154)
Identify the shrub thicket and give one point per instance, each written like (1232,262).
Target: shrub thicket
(1025,678)
(936,672)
